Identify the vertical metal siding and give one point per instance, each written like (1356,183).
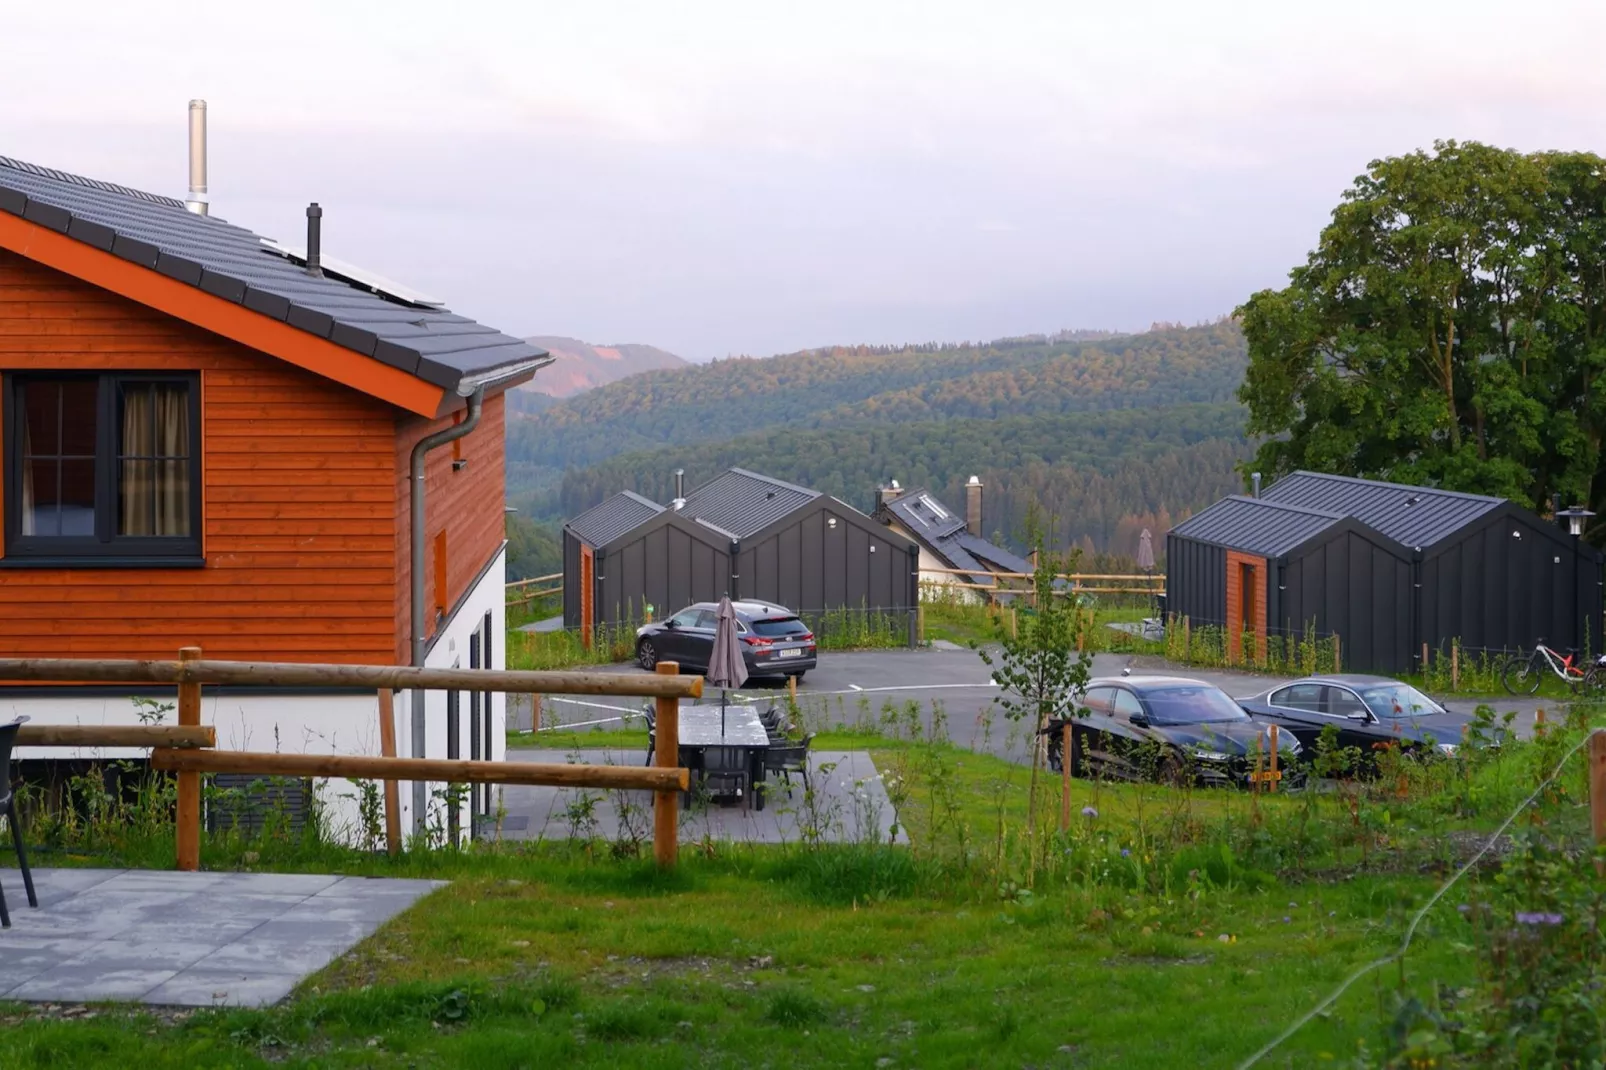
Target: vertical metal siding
(571,580)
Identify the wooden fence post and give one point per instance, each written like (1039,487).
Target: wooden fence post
(1273,758)
(1455,665)
(1539,722)
(1338,664)
(387,748)
(1424,659)
(1067,764)
(920,623)
(1597,793)
(187,830)
(666,753)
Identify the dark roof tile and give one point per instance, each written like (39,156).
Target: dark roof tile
(1256,525)
(158,232)
(1412,516)
(613,517)
(744,503)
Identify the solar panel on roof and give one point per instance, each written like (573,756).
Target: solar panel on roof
(346,271)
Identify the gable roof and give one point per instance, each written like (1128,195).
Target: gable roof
(613,517)
(1257,526)
(1412,516)
(232,263)
(943,532)
(743,503)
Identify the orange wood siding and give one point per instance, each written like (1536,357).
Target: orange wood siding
(299,501)
(466,504)
(1237,565)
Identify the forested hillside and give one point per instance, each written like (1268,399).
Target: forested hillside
(1087,471)
(1105,435)
(811,389)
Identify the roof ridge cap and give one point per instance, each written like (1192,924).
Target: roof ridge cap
(59,175)
(1418,488)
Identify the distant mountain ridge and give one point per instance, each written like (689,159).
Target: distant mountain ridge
(581,366)
(1107,435)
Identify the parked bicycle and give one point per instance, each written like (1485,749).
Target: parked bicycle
(1522,676)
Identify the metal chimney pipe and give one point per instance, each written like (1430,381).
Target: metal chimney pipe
(1254,483)
(314,239)
(197,200)
(680,484)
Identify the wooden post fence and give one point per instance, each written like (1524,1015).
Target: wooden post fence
(188,830)
(387,748)
(1338,663)
(666,754)
(186,748)
(1455,665)
(1067,765)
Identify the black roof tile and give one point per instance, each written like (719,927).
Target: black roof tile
(1256,525)
(943,532)
(744,503)
(158,232)
(613,517)
(1412,516)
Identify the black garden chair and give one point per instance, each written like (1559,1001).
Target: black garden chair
(788,758)
(8,806)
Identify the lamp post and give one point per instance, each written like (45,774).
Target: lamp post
(1575,517)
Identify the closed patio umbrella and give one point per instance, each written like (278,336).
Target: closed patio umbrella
(1146,551)
(726,666)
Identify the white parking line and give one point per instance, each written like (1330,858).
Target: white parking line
(856,689)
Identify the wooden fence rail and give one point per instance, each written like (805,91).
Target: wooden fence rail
(187,748)
(134,735)
(365,677)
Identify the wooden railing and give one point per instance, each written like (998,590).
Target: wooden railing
(520,593)
(189,748)
(1137,583)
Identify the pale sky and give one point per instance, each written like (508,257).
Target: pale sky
(720,178)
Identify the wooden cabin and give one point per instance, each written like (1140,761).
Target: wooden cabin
(206,439)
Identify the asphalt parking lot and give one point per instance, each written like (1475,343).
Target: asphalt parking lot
(848,686)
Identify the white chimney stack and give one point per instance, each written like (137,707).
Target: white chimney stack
(197,201)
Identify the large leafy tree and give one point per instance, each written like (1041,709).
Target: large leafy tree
(1449,329)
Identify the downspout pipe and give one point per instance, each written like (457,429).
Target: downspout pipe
(473,388)
(415,705)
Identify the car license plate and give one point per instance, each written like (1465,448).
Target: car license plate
(793,653)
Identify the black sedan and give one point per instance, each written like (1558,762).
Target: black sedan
(774,641)
(1171,728)
(1368,711)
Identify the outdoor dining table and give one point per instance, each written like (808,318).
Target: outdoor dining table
(741,732)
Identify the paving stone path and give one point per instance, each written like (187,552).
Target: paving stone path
(185,939)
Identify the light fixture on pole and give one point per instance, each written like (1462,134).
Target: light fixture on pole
(1575,518)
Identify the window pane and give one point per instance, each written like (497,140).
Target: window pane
(41,480)
(153,478)
(78,410)
(77,497)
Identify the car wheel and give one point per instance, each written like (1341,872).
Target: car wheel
(647,655)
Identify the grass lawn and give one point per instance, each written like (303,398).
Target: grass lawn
(1175,928)
(759,959)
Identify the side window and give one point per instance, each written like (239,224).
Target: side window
(1100,701)
(707,619)
(1342,702)
(1126,704)
(686,618)
(1306,697)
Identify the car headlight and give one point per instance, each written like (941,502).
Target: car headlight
(1207,755)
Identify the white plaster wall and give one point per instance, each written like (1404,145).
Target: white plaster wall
(451,650)
(314,724)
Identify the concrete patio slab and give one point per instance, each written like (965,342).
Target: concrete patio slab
(185,939)
(849,805)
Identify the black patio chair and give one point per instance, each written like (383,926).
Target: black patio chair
(652,733)
(789,757)
(8,805)
(726,775)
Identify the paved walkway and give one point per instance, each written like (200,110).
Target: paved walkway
(849,805)
(185,939)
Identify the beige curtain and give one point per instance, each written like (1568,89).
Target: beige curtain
(154,484)
(28,525)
